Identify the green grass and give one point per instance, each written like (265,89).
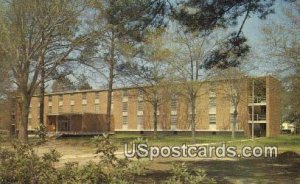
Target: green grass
(283,142)
(162,140)
(173,140)
(242,170)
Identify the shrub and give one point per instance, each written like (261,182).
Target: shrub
(115,170)
(22,165)
(181,175)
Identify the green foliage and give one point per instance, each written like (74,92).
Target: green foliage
(115,170)
(106,150)
(89,173)
(22,165)
(140,140)
(41,132)
(63,84)
(137,141)
(83,83)
(181,175)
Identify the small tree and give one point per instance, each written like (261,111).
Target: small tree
(150,72)
(190,51)
(31,32)
(110,43)
(282,43)
(234,81)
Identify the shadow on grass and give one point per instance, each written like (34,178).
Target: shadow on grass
(252,170)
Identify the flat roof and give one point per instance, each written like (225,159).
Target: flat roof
(132,87)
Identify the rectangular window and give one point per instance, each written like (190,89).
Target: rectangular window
(140,93)
(84,96)
(112,101)
(38,111)
(174,103)
(213,86)
(60,109)
(71,97)
(49,109)
(157,120)
(140,120)
(140,106)
(13,117)
(72,108)
(125,120)
(190,108)
(125,107)
(232,117)
(190,120)
(212,118)
(173,120)
(97,95)
(125,93)
(212,89)
(97,108)
(49,98)
(212,102)
(60,98)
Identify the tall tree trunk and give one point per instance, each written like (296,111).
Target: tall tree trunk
(235,113)
(23,125)
(109,101)
(42,90)
(110,83)
(155,117)
(193,120)
(155,120)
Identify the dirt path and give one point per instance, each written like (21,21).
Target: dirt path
(83,153)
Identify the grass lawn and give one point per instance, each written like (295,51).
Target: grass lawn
(244,170)
(283,142)
(240,170)
(86,145)
(237,170)
(173,140)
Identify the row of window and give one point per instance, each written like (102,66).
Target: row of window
(140,120)
(83,97)
(97,95)
(212,100)
(140,106)
(212,118)
(72,108)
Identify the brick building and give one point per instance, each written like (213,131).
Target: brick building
(83,111)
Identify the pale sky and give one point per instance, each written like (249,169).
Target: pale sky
(252,30)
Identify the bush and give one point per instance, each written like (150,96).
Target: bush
(181,175)
(21,164)
(115,170)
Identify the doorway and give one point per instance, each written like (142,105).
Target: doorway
(63,125)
